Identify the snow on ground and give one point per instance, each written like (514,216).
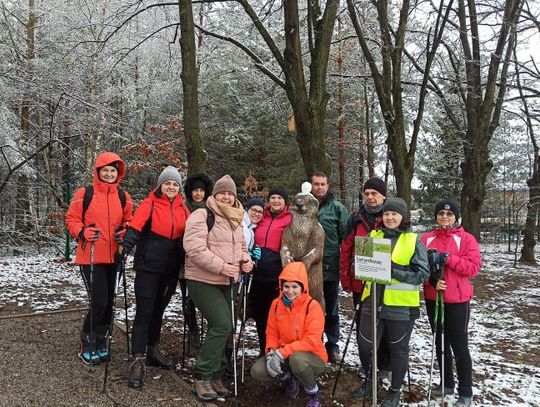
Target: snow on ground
(504,339)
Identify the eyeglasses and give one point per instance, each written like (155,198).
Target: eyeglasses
(448,214)
(260,212)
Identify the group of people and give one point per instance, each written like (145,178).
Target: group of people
(208,240)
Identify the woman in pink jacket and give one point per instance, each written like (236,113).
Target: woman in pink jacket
(214,258)
(460,254)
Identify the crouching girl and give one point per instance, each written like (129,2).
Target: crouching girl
(294,348)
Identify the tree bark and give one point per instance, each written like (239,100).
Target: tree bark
(196,156)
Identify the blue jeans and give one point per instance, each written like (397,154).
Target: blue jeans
(331,324)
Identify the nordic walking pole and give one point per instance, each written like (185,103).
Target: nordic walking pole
(434,335)
(440,296)
(374,344)
(233,340)
(356,311)
(110,329)
(91,337)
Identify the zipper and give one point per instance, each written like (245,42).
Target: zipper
(172,220)
(268,231)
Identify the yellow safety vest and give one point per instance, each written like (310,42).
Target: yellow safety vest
(397,293)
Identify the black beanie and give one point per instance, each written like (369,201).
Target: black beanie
(396,205)
(279,191)
(377,184)
(448,205)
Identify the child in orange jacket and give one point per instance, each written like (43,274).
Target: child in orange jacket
(294,347)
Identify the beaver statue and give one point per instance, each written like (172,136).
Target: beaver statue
(303,240)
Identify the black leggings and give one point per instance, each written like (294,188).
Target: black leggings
(398,334)
(260,298)
(153,292)
(103,280)
(456,344)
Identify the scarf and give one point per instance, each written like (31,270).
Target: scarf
(234,214)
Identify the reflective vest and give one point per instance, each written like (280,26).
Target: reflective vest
(397,293)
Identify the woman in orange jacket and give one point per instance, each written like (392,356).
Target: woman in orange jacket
(98,228)
(294,346)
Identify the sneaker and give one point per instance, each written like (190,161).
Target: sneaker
(392,398)
(313,400)
(155,357)
(436,392)
(136,372)
(220,388)
(463,401)
(292,387)
(364,392)
(102,349)
(204,390)
(87,351)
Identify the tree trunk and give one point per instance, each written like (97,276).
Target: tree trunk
(196,156)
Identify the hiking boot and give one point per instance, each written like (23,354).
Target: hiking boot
(364,392)
(220,388)
(204,390)
(392,398)
(436,392)
(463,401)
(292,387)
(334,357)
(313,400)
(87,352)
(101,348)
(154,357)
(136,372)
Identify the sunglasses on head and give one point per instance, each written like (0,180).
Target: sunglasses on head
(448,214)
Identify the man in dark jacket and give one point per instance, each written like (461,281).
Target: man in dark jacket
(333,218)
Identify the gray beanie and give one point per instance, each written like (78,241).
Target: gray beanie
(169,174)
(396,205)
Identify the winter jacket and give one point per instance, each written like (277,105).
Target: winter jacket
(104,212)
(409,270)
(333,218)
(249,231)
(157,229)
(268,236)
(463,262)
(207,252)
(298,328)
(358,225)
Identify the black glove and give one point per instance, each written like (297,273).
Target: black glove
(440,258)
(119,234)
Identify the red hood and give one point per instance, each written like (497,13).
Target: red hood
(105,159)
(295,271)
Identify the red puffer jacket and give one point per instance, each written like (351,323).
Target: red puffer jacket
(105,212)
(270,230)
(463,262)
(298,328)
(346,258)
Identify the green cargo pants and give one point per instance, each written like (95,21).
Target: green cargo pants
(214,302)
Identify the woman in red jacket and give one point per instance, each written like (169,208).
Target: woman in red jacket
(157,229)
(268,234)
(294,347)
(97,229)
(459,252)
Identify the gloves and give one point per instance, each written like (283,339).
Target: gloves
(255,253)
(119,233)
(89,234)
(273,363)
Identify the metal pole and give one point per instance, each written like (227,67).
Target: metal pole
(374,344)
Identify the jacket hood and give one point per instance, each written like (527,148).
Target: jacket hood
(194,179)
(295,271)
(108,158)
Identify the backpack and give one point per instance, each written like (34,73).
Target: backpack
(210,219)
(89,194)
